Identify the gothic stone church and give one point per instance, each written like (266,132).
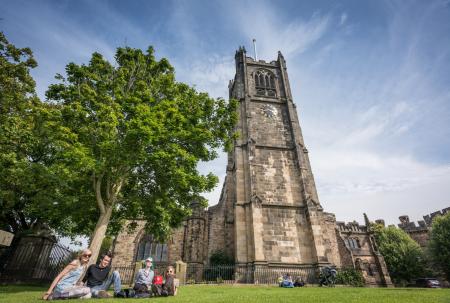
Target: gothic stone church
(269,214)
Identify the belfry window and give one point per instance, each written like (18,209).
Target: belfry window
(265,83)
(147,247)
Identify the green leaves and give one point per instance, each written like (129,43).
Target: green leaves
(440,243)
(404,257)
(350,276)
(22,153)
(137,125)
(124,137)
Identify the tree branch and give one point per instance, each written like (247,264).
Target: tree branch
(118,187)
(132,77)
(108,187)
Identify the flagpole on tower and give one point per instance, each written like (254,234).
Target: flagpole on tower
(254,49)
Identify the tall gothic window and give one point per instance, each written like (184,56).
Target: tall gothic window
(149,248)
(352,243)
(265,83)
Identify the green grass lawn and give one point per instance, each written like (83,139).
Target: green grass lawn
(259,294)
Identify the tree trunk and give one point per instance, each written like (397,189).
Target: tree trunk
(99,233)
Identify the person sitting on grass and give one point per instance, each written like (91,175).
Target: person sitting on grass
(99,280)
(287,281)
(170,286)
(299,282)
(66,285)
(143,280)
(157,284)
(280,281)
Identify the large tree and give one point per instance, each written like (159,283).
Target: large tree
(440,243)
(134,138)
(404,257)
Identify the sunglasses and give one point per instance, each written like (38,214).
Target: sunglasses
(87,255)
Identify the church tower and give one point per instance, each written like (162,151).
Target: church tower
(270,195)
(269,218)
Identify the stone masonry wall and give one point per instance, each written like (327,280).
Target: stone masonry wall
(216,230)
(176,244)
(276,178)
(126,244)
(331,239)
(269,124)
(280,239)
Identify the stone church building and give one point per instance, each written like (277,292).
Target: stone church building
(269,215)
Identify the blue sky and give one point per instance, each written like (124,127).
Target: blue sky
(371,79)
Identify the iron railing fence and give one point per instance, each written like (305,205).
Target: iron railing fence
(36,261)
(227,274)
(161,267)
(248,274)
(126,273)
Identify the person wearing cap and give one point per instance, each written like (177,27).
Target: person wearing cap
(144,277)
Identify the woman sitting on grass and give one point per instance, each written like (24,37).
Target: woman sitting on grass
(287,281)
(65,285)
(170,285)
(166,286)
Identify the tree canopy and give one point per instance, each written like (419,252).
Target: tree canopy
(133,137)
(440,243)
(29,185)
(404,257)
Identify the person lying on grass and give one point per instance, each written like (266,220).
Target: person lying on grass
(66,285)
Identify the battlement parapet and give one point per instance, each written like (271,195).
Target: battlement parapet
(261,62)
(411,226)
(380,222)
(351,227)
(423,225)
(429,218)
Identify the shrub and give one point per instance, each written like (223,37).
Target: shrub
(350,276)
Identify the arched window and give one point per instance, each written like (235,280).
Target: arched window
(265,83)
(272,82)
(147,247)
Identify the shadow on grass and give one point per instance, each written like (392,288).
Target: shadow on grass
(11,289)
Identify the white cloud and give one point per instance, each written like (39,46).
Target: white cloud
(273,34)
(343,19)
(358,120)
(363,103)
(210,74)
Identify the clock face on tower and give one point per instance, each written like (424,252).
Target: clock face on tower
(269,111)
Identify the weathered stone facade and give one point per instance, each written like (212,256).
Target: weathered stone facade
(358,249)
(269,214)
